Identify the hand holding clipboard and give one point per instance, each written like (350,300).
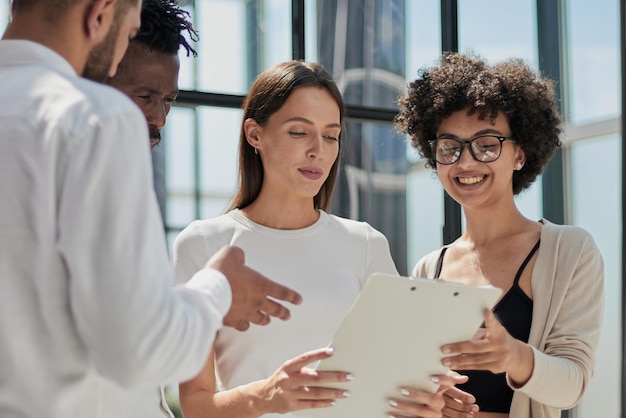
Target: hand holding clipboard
(392,338)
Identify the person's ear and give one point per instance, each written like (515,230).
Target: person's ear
(520,158)
(99,17)
(252,129)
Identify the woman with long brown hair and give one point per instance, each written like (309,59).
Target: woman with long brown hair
(291,134)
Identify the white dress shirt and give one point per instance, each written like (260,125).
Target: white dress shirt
(86,296)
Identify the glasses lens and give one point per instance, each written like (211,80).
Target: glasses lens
(486,148)
(447,151)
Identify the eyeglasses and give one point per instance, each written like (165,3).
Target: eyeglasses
(484,148)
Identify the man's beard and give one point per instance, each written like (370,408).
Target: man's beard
(100,58)
(154,132)
(155,135)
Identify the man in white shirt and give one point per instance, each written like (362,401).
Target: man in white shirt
(86,296)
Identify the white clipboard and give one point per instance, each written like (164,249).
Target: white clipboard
(392,337)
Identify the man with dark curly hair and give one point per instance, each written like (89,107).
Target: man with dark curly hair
(489,131)
(148,73)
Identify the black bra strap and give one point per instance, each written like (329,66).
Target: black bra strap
(440,262)
(523,266)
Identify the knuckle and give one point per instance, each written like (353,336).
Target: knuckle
(320,404)
(315,378)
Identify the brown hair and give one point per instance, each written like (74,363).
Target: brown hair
(268,94)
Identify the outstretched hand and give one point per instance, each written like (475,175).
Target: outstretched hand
(251,291)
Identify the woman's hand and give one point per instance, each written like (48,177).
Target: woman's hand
(459,404)
(492,349)
(419,404)
(294,386)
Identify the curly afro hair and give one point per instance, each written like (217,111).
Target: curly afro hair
(464,81)
(162,25)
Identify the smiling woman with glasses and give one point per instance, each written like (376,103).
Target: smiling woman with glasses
(535,354)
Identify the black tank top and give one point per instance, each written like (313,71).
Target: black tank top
(515,313)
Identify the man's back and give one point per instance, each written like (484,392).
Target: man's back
(86,297)
(61,138)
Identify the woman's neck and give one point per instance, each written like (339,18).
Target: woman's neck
(484,227)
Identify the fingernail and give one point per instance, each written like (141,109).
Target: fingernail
(330,350)
(447,363)
(349,376)
(475,408)
(434,379)
(333,403)
(446,350)
(405,392)
(346,394)
(393,403)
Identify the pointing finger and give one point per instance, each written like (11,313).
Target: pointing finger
(297,363)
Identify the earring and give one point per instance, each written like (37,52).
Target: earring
(518,166)
(256,151)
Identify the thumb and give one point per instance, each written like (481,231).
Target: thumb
(459,378)
(491,321)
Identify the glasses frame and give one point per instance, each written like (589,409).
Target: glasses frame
(462,143)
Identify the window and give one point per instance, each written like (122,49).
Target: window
(373,48)
(4,13)
(596,206)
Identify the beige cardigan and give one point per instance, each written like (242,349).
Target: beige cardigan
(568,302)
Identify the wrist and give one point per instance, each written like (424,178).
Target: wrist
(252,393)
(524,361)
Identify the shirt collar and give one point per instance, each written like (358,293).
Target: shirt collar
(21,52)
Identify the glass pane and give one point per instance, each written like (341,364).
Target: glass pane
(493,36)
(180,210)
(276,37)
(238,40)
(227,21)
(596,206)
(423,35)
(310,26)
(594,60)
(4,14)
(178,141)
(530,201)
(212,206)
(372,183)
(188,64)
(219,133)
(424,199)
(362,44)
